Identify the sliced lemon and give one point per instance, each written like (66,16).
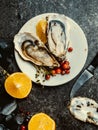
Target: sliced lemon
(18,85)
(41,30)
(41,121)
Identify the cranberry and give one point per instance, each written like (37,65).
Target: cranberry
(65,66)
(58,71)
(66,62)
(67,71)
(70,49)
(23,127)
(47,77)
(63,72)
(53,72)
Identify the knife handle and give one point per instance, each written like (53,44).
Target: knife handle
(95,61)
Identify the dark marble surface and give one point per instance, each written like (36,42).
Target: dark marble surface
(54,100)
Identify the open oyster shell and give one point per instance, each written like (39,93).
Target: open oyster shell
(32,50)
(58,35)
(84,109)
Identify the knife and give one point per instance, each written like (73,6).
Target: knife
(86,75)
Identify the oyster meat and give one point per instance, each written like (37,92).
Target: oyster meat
(32,50)
(58,35)
(84,109)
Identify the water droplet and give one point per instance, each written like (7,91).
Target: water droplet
(8,109)
(9,117)
(2,127)
(3,44)
(19,119)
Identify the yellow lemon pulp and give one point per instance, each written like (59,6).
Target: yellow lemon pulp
(18,85)
(41,30)
(41,121)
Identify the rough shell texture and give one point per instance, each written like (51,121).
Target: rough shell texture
(32,50)
(58,35)
(84,109)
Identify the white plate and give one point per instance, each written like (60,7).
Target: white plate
(77,57)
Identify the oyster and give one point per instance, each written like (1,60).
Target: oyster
(32,50)
(84,109)
(58,35)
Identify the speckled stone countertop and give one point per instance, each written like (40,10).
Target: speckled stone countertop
(52,100)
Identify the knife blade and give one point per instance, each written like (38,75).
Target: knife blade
(85,76)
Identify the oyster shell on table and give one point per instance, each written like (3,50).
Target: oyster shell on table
(30,49)
(58,35)
(84,109)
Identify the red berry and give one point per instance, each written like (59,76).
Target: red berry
(23,127)
(58,71)
(53,72)
(47,77)
(65,66)
(63,72)
(67,62)
(67,71)
(70,49)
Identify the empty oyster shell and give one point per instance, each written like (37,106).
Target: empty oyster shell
(58,35)
(84,109)
(32,50)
